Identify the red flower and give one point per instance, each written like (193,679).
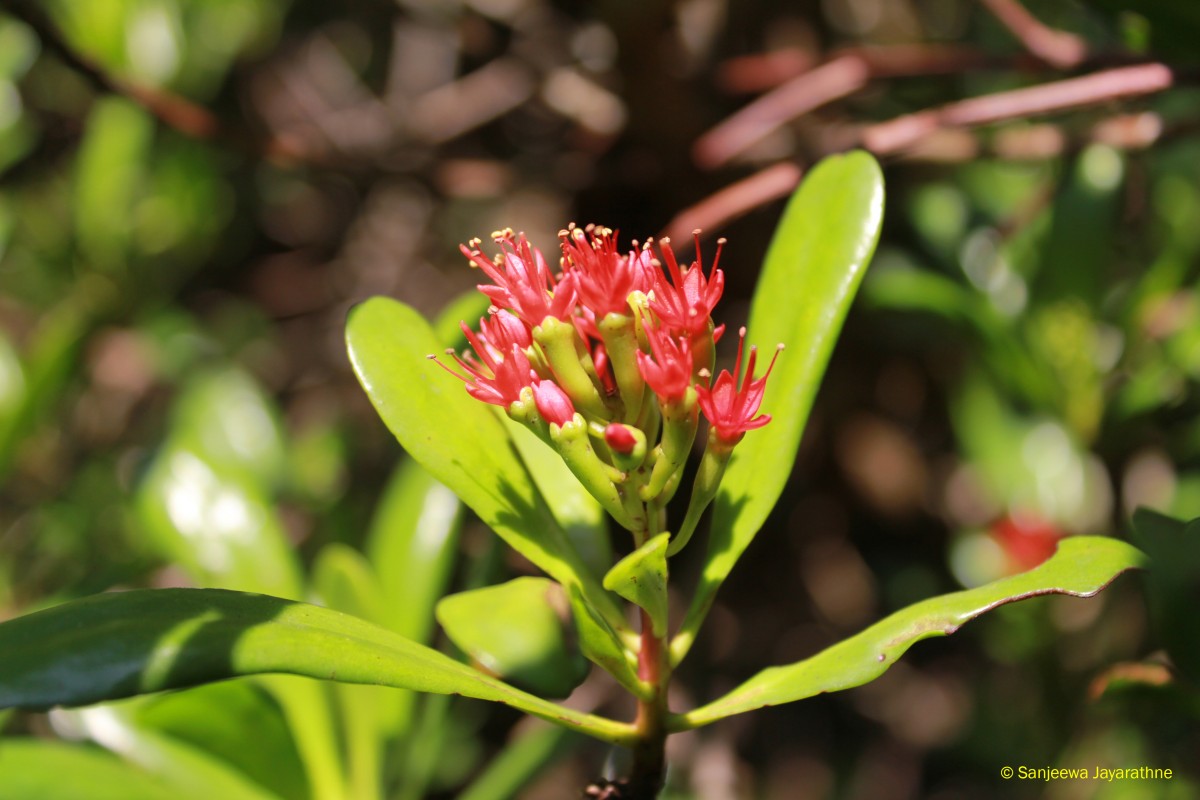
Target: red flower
(730,409)
(553,403)
(502,329)
(669,374)
(685,303)
(494,380)
(522,280)
(604,277)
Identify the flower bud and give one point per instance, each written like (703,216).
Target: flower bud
(628,446)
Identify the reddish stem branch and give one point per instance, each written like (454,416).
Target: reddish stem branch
(739,198)
(649,754)
(831,81)
(1059,48)
(906,131)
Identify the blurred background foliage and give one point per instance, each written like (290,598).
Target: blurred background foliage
(194,192)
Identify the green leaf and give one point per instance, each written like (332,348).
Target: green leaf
(813,267)
(218,527)
(1082,567)
(520,762)
(641,578)
(517,631)
(117,645)
(344,580)
(1174,583)
(603,646)
(248,734)
(459,440)
(224,417)
(192,773)
(31,769)
(467,307)
(411,545)
(109,172)
(573,507)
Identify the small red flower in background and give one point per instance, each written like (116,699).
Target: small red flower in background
(1027,539)
(604,278)
(524,284)
(731,410)
(685,303)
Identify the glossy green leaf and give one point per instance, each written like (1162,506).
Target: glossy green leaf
(813,267)
(32,769)
(519,631)
(458,439)
(306,707)
(121,644)
(641,578)
(1081,567)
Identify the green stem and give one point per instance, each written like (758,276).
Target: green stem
(559,342)
(619,333)
(708,479)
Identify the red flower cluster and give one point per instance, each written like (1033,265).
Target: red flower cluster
(672,310)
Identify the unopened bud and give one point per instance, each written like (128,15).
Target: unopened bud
(553,403)
(628,446)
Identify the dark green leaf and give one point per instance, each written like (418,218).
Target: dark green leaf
(117,645)
(1174,583)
